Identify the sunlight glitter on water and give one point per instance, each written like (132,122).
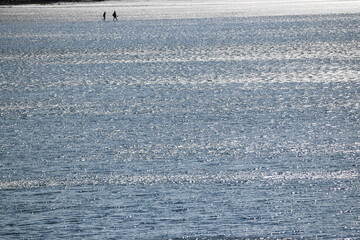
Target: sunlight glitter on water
(184,120)
(222,177)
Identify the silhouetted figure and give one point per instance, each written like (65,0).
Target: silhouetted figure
(104,16)
(115,16)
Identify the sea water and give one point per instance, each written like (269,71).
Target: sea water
(209,123)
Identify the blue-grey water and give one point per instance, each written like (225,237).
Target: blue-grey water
(194,128)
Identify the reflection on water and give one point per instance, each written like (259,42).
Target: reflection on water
(223,128)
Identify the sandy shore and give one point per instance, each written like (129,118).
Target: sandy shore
(162,9)
(21,2)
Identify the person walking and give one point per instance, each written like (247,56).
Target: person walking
(104,16)
(115,16)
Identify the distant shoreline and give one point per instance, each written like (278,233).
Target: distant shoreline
(22,2)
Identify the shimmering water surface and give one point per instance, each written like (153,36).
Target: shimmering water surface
(191,127)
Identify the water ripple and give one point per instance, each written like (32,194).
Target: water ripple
(222,177)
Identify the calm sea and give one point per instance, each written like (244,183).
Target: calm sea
(185,128)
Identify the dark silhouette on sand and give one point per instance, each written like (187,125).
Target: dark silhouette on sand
(115,16)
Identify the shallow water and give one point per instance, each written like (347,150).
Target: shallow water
(189,128)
